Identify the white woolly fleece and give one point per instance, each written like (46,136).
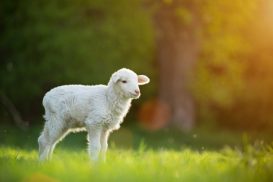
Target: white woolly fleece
(99,109)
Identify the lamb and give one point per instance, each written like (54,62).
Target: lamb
(98,109)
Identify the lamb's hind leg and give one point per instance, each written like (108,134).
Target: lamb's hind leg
(50,136)
(55,139)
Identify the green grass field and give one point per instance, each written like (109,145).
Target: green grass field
(141,165)
(138,161)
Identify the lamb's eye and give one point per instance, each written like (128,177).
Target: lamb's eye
(124,81)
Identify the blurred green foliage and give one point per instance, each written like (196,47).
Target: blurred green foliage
(49,43)
(234,74)
(219,79)
(233,77)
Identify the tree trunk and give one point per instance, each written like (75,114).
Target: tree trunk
(177,51)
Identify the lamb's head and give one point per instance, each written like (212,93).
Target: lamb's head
(126,83)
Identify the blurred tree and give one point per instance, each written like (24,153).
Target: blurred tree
(177,43)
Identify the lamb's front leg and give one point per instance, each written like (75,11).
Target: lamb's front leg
(103,142)
(94,142)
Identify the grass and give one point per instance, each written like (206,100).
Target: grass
(139,158)
(140,165)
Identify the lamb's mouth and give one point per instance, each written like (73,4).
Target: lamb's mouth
(135,96)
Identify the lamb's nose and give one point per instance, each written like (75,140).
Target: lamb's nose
(137,92)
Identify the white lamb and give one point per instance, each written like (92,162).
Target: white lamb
(99,109)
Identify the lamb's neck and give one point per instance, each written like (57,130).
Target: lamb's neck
(118,104)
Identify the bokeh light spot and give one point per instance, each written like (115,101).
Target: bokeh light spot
(154,114)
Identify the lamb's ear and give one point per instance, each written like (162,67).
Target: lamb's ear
(142,79)
(115,77)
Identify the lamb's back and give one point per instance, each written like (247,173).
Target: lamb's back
(73,96)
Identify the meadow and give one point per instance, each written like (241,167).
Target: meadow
(210,68)
(136,155)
